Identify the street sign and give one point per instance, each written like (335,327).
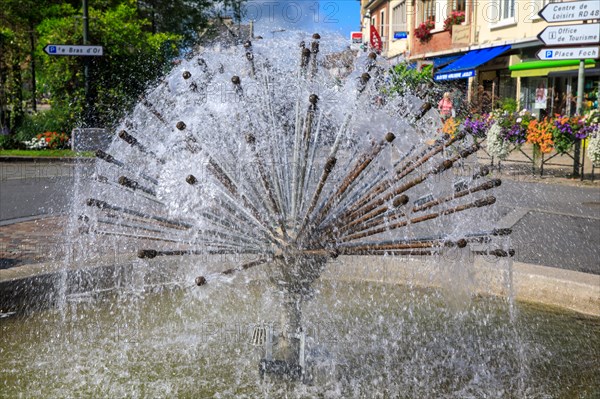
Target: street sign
(568,53)
(571,11)
(571,34)
(67,49)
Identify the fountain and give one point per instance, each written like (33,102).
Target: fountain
(260,155)
(288,164)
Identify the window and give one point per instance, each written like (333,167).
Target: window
(506,9)
(428,10)
(399,18)
(382,24)
(458,5)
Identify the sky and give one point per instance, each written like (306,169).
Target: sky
(272,16)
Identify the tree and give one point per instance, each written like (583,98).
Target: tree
(132,57)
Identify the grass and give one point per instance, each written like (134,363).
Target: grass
(46,153)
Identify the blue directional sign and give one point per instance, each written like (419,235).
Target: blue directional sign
(400,35)
(74,50)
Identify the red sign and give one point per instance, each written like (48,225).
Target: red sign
(356,37)
(376,42)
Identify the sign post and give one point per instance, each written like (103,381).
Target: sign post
(568,53)
(569,35)
(570,11)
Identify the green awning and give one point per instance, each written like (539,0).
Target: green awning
(546,64)
(543,68)
(544,71)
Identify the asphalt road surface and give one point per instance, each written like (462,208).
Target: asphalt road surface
(553,225)
(34,189)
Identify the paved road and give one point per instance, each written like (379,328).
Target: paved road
(553,225)
(31,189)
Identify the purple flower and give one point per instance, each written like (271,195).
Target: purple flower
(475,127)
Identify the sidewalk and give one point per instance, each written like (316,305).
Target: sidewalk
(30,242)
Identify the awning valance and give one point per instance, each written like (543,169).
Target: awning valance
(546,64)
(543,68)
(465,66)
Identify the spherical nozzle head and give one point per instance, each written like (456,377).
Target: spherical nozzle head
(373,55)
(330,164)
(200,281)
(235,80)
(400,201)
(316,36)
(147,253)
(248,44)
(250,139)
(186,74)
(461,243)
(365,77)
(447,164)
(484,171)
(180,125)
(389,137)
(313,99)
(306,52)
(191,179)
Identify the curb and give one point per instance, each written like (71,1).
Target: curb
(16,159)
(37,285)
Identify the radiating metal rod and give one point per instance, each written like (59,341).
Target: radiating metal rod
(132,235)
(314,49)
(104,180)
(250,57)
(153,110)
(153,253)
(201,280)
(441,167)
(134,185)
(240,213)
(384,226)
(488,185)
(134,226)
(102,205)
(251,140)
(224,179)
(304,151)
(329,165)
(401,172)
(364,161)
(132,141)
(363,218)
(110,159)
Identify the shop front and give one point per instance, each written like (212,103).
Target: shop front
(550,87)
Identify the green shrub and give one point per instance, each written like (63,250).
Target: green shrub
(508,104)
(10,142)
(54,120)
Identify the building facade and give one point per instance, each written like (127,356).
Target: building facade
(483,48)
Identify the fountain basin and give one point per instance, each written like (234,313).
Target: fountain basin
(159,335)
